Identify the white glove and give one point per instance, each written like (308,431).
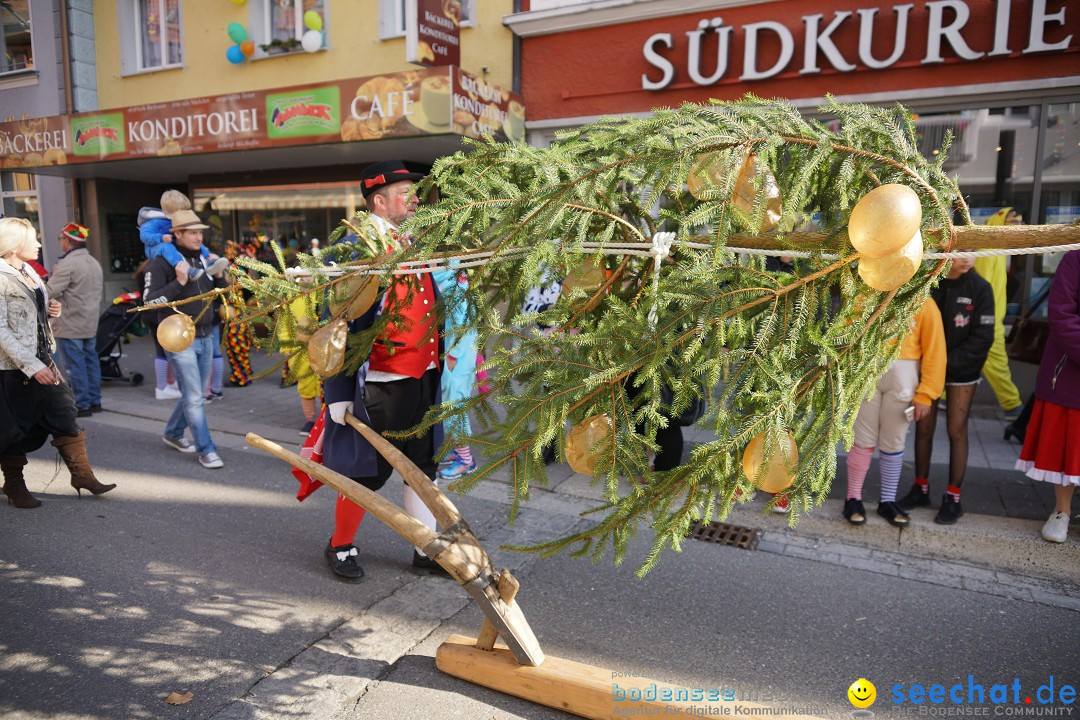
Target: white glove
(338,410)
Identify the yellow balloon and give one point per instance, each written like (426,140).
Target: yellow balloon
(706,173)
(587,276)
(776,476)
(892,271)
(745,193)
(176,332)
(360,292)
(884,220)
(581,439)
(326,348)
(227,312)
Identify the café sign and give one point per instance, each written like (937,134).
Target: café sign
(947,27)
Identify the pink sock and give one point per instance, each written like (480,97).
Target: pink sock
(858,464)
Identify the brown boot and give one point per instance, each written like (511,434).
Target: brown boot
(73,449)
(14,484)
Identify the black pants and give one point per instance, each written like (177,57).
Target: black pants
(670,439)
(399,405)
(32,411)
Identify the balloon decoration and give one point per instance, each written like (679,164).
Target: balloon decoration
(326,348)
(581,439)
(587,276)
(312,20)
(884,220)
(312,40)
(892,271)
(235,55)
(248,48)
(776,476)
(176,332)
(360,292)
(706,172)
(236,32)
(745,192)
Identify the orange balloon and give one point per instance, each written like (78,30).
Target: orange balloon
(248,48)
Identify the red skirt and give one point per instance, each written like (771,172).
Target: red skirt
(1051,451)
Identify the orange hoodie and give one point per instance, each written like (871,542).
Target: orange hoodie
(926,342)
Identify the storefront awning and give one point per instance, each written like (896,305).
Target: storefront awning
(279,201)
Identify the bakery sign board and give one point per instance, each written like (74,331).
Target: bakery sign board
(431,101)
(433,32)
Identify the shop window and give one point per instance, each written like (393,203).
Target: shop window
(19,197)
(16,51)
(151,34)
(278,25)
(392,17)
(1060,198)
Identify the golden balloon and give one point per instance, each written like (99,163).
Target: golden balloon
(360,292)
(884,220)
(176,332)
(776,476)
(582,438)
(746,192)
(587,276)
(227,312)
(706,173)
(326,348)
(892,271)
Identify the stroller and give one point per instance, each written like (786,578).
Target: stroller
(113,324)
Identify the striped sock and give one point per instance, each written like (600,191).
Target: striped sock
(464,453)
(170,376)
(308,406)
(891,465)
(161,372)
(858,464)
(347,517)
(954,491)
(923,484)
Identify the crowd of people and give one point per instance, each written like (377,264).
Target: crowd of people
(956,338)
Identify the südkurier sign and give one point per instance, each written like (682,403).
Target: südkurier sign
(940,29)
(405,104)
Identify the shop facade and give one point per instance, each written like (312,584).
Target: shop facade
(1002,76)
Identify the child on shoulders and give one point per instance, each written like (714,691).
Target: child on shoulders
(154,226)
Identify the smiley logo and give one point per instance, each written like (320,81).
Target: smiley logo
(862,693)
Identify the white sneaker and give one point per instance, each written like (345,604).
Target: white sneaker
(211,460)
(218,266)
(1056,528)
(181,444)
(169,392)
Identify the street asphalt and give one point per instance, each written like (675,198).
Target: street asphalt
(213,582)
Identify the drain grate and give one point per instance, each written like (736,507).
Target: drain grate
(726,534)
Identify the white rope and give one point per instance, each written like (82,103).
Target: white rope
(661,248)
(658,249)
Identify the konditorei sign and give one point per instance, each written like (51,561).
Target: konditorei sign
(433,32)
(413,103)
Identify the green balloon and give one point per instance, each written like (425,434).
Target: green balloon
(237,33)
(312,20)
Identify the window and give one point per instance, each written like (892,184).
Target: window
(16,53)
(157,34)
(278,25)
(18,196)
(392,17)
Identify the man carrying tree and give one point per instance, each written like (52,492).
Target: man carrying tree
(394,385)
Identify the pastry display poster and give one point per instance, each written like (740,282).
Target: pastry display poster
(431,101)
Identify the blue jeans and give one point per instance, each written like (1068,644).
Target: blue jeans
(192,368)
(80,359)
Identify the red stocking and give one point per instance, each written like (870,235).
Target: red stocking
(347,518)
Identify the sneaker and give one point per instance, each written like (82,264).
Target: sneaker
(781,505)
(342,562)
(458,468)
(450,459)
(211,460)
(95,407)
(216,395)
(422,562)
(181,444)
(207,399)
(1056,529)
(950,511)
(307,427)
(891,511)
(169,392)
(218,266)
(854,511)
(83,412)
(915,498)
(737,497)
(1013,414)
(194,273)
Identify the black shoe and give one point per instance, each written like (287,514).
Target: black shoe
(422,562)
(95,407)
(854,511)
(1011,431)
(83,412)
(915,498)
(342,562)
(891,511)
(950,511)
